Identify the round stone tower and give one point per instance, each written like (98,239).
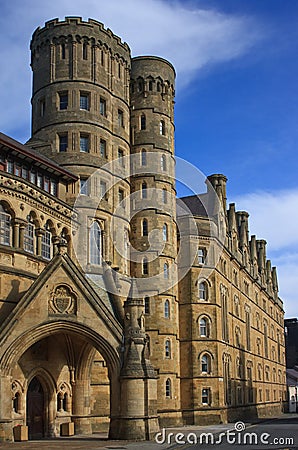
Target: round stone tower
(80,115)
(153,222)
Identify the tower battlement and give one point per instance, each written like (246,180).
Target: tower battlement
(90,26)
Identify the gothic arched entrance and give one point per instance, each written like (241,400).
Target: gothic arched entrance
(35,409)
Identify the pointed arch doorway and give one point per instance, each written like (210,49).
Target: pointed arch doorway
(35,409)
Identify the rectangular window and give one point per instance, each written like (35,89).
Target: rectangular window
(53,187)
(84,101)
(120,118)
(33,176)
(120,157)
(84,189)
(46,184)
(42,107)
(103,148)
(39,180)
(102,106)
(29,238)
(121,197)
(17,170)
(147,305)
(201,256)
(46,245)
(63,100)
(103,190)
(84,143)
(25,172)
(205,396)
(9,167)
(63,142)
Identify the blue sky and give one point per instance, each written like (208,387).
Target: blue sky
(236,99)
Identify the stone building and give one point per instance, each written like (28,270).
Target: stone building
(119,312)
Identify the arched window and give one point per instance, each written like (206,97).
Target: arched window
(144,190)
(46,243)
(168,388)
(143,122)
(167,309)
(203,290)
(165,232)
(204,327)
(163,164)
(95,244)
(143,157)
(145,268)
(162,127)
(150,85)
(29,235)
(5,228)
(205,363)
(166,271)
(158,86)
(168,348)
(144,227)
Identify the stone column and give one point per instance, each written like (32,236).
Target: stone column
(81,407)
(138,417)
(16,226)
(39,233)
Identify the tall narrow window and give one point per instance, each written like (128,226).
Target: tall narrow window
(120,118)
(5,229)
(121,157)
(201,256)
(147,305)
(121,197)
(144,190)
(63,142)
(63,51)
(248,327)
(203,327)
(205,396)
(85,50)
(102,106)
(46,243)
(150,85)
(205,363)
(168,348)
(164,196)
(168,388)
(165,232)
(29,235)
(144,227)
(163,165)
(162,127)
(84,143)
(103,148)
(42,107)
(95,244)
(84,101)
(145,268)
(203,291)
(143,122)
(9,166)
(265,340)
(63,100)
(167,309)
(143,157)
(166,271)
(84,189)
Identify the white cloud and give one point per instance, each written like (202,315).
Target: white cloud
(274,217)
(191,38)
